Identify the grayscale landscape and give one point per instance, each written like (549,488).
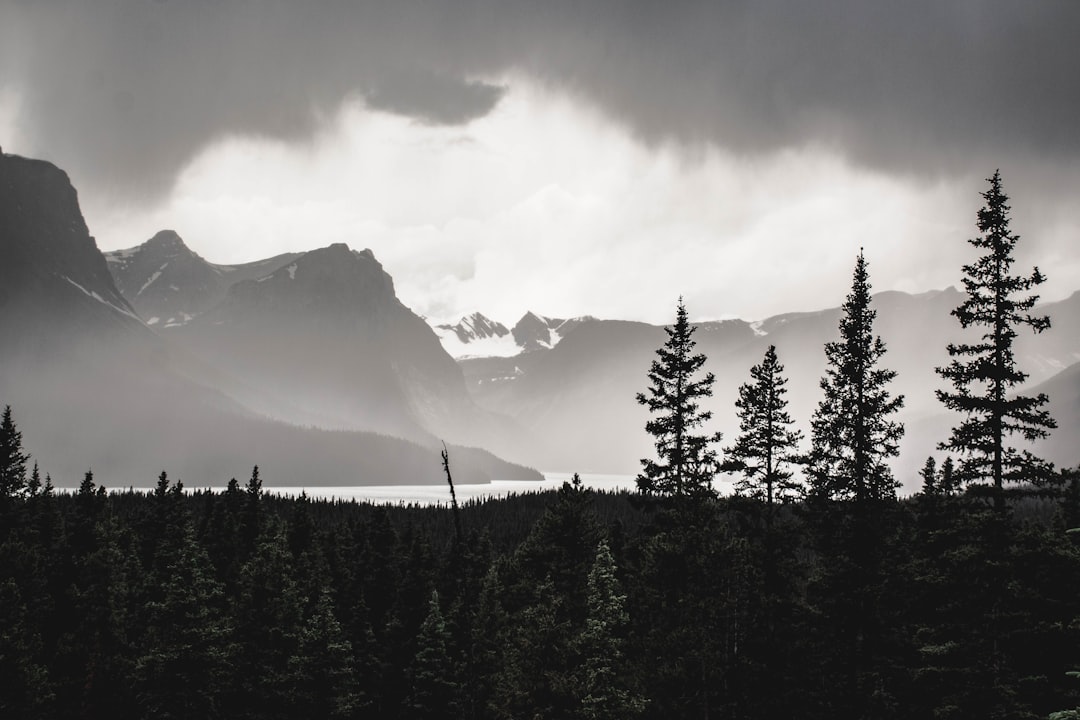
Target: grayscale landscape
(598,360)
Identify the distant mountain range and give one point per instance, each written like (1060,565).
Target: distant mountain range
(477,336)
(95,387)
(309,364)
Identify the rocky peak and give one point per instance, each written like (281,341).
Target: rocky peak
(475,327)
(534,332)
(49,257)
(333,278)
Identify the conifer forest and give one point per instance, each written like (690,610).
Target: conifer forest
(810,590)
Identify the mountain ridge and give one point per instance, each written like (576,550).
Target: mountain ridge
(93,387)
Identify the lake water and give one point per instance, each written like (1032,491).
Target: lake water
(440,494)
(432,494)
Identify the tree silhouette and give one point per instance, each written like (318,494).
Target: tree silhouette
(852,433)
(984,373)
(12,458)
(686,461)
(767,444)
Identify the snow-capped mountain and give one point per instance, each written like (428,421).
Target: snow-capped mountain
(168,284)
(477,336)
(475,327)
(535,332)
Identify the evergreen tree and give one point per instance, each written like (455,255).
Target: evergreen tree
(852,433)
(252,524)
(324,666)
(12,458)
(435,692)
(767,444)
(604,687)
(104,591)
(185,649)
(929,475)
(269,619)
(984,374)
(486,647)
(533,679)
(686,462)
(25,691)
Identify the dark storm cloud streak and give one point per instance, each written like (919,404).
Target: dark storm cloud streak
(129,90)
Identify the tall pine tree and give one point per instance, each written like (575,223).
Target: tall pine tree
(606,691)
(686,461)
(853,435)
(12,458)
(984,373)
(767,444)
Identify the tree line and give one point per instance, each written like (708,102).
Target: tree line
(829,598)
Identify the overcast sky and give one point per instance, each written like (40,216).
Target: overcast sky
(567,157)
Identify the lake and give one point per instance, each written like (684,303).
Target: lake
(440,494)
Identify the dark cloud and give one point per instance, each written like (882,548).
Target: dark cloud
(126,91)
(432,97)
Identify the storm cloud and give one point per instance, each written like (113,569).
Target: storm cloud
(126,92)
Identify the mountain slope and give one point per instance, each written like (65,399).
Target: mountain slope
(50,263)
(325,341)
(168,284)
(92,387)
(1063,389)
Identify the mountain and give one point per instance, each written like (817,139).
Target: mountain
(475,327)
(93,387)
(1063,389)
(476,336)
(535,332)
(168,284)
(325,341)
(51,265)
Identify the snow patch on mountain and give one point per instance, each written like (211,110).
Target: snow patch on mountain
(150,282)
(476,336)
(503,346)
(103,301)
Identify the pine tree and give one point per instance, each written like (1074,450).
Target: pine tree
(605,694)
(324,667)
(12,458)
(767,444)
(26,690)
(434,692)
(983,374)
(686,461)
(185,648)
(268,621)
(929,475)
(852,433)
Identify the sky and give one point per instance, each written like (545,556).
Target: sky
(568,158)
